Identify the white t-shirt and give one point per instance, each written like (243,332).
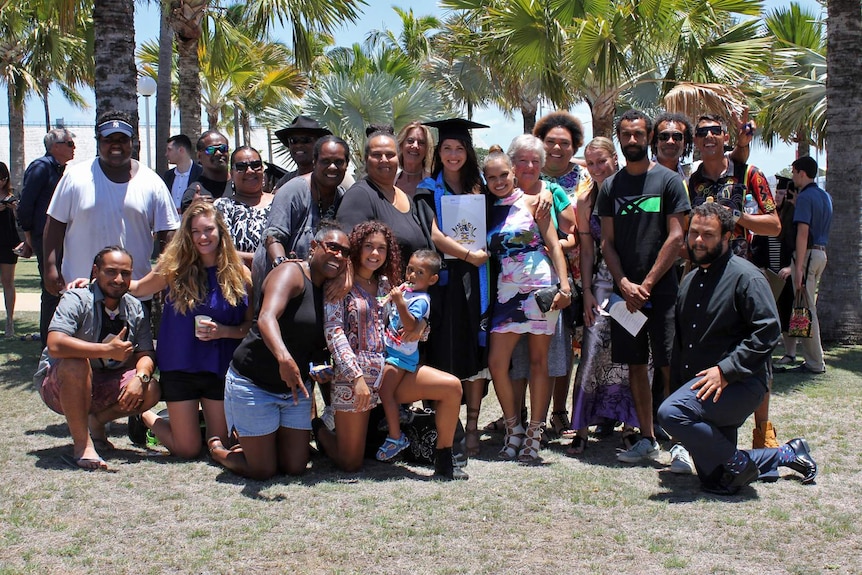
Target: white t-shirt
(99,213)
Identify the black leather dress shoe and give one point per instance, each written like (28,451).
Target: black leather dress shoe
(803,463)
(723,482)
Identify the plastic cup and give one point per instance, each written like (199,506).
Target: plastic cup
(201,329)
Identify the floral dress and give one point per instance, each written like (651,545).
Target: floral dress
(515,240)
(354,335)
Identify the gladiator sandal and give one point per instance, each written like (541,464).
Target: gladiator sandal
(513,440)
(530,450)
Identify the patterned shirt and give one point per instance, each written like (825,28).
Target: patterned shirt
(245,223)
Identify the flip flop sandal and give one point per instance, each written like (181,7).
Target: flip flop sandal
(86,463)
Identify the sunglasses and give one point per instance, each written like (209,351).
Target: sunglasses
(210,150)
(336,249)
(69,143)
(301,140)
(243,166)
(702,131)
(675,136)
(338,163)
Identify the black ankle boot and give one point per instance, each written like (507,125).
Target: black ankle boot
(444,467)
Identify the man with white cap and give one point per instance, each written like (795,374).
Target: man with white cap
(113,200)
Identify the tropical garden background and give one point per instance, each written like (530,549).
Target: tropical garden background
(231,66)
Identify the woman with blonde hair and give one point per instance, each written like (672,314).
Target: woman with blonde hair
(601,391)
(415,156)
(206,314)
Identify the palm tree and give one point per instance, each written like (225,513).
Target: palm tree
(794,107)
(601,51)
(42,43)
(840,301)
(346,105)
(240,73)
(416,39)
(305,17)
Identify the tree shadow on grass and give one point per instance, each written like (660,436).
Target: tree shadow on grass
(19,362)
(321,471)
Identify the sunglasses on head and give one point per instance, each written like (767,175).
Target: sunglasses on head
(301,140)
(336,249)
(69,143)
(243,166)
(702,131)
(210,150)
(676,136)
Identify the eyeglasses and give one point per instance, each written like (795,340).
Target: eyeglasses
(676,136)
(210,150)
(296,140)
(336,249)
(417,141)
(702,131)
(69,143)
(243,166)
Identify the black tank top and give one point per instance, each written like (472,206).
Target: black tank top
(301,327)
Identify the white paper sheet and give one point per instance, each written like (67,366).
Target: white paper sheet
(615,306)
(463,218)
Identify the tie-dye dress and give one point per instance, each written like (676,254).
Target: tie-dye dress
(515,240)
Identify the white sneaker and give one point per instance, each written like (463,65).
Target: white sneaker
(680,460)
(328,417)
(641,451)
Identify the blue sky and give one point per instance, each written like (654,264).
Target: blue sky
(379,15)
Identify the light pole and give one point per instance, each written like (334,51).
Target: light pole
(146,88)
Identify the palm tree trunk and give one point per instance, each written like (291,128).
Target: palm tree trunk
(602,109)
(189,72)
(163,88)
(114,56)
(839,304)
(45,89)
(529,107)
(16,137)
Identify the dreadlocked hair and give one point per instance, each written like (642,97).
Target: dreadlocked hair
(185,273)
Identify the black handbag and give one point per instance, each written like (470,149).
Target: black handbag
(545,298)
(573,316)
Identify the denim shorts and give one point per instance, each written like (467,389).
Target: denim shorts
(255,412)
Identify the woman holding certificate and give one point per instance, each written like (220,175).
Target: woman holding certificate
(451,201)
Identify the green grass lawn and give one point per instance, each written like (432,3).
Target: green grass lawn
(27,276)
(588,515)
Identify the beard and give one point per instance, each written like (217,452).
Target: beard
(634,153)
(710,256)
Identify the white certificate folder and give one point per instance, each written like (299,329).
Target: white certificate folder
(463,218)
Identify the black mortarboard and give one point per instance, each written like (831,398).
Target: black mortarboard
(456,128)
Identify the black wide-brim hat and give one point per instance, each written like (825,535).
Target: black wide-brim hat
(304,125)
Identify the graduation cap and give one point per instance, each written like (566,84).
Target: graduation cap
(455,128)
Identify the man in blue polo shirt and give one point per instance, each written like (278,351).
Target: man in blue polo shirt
(813,219)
